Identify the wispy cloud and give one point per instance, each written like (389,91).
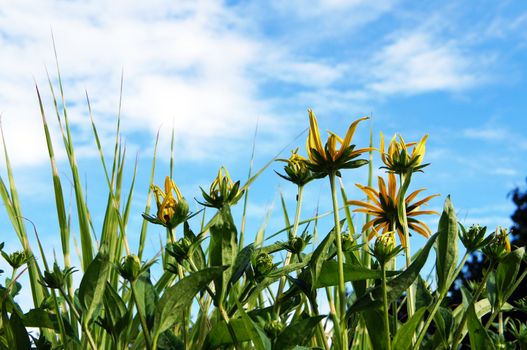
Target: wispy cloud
(416,62)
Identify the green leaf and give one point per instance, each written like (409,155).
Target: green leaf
(258,336)
(178,297)
(243,259)
(320,253)
(506,274)
(395,286)
(373,320)
(423,296)
(223,249)
(219,334)
(146,297)
(444,321)
(447,246)
(93,284)
(329,274)
(404,335)
(20,337)
(297,333)
(479,338)
(40,318)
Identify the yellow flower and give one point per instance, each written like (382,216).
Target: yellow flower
(297,170)
(222,191)
(384,209)
(172,209)
(326,159)
(398,158)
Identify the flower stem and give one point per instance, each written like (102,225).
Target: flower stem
(405,180)
(142,319)
(386,321)
(340,260)
(293,234)
(457,335)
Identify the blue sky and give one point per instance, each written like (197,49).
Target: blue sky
(453,70)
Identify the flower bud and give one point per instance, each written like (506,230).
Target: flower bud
(223,191)
(130,268)
(180,250)
(262,265)
(473,238)
(172,208)
(348,242)
(273,328)
(16,259)
(56,279)
(384,248)
(297,170)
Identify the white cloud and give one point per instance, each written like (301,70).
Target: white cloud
(487,133)
(417,62)
(186,63)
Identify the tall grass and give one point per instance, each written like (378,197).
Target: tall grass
(216,291)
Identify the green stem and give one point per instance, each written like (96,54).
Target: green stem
(457,335)
(293,234)
(386,321)
(340,260)
(410,303)
(438,301)
(229,327)
(514,287)
(142,319)
(84,327)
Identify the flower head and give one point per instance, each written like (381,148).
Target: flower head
(384,209)
(399,160)
(324,160)
(297,170)
(172,208)
(222,191)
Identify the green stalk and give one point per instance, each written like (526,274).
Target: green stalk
(405,181)
(438,301)
(457,335)
(386,321)
(142,319)
(340,260)
(225,317)
(293,234)
(84,327)
(495,312)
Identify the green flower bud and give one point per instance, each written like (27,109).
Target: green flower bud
(384,248)
(56,279)
(16,259)
(130,268)
(473,238)
(223,191)
(262,265)
(297,170)
(180,250)
(348,242)
(273,328)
